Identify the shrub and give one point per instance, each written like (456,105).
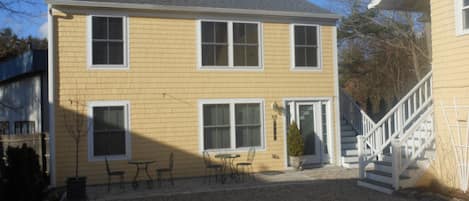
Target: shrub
(25,181)
(295,141)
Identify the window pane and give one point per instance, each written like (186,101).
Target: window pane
(217,138)
(115,28)
(466,2)
(221,52)
(311,56)
(324,127)
(239,52)
(251,33)
(100,53)
(239,34)
(311,36)
(99,119)
(208,32)
(300,54)
(300,35)
(115,118)
(116,53)
(217,115)
(252,53)
(100,28)
(208,55)
(248,136)
(466,18)
(221,32)
(109,143)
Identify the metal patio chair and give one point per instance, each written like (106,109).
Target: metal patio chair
(111,174)
(210,167)
(247,165)
(169,170)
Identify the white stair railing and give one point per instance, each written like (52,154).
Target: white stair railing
(410,146)
(354,115)
(394,124)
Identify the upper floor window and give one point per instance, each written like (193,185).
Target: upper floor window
(230,45)
(306,47)
(25,127)
(462,16)
(108,42)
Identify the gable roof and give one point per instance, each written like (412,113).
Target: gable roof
(293,8)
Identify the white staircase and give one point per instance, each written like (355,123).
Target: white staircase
(354,122)
(396,150)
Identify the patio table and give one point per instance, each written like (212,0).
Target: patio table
(141,165)
(228,162)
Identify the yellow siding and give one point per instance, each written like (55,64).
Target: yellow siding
(163,86)
(451,72)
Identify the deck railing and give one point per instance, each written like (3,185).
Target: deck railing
(394,124)
(354,115)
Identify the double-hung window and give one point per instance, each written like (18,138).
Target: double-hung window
(230,45)
(108,47)
(306,47)
(232,125)
(108,130)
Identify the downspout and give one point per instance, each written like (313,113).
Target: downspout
(51,95)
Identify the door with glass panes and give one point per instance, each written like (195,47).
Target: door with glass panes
(312,118)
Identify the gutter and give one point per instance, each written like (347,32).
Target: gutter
(192,9)
(51,90)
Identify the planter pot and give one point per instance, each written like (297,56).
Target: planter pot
(76,188)
(296,161)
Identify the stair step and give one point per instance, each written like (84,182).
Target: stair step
(381,176)
(385,166)
(375,185)
(350,159)
(346,127)
(352,152)
(348,134)
(349,145)
(348,139)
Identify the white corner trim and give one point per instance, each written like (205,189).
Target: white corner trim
(293,67)
(230,66)
(337,135)
(89,43)
(127,122)
(232,103)
(51,93)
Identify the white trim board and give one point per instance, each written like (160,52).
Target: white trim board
(232,102)
(127,122)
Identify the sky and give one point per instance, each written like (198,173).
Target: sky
(35,23)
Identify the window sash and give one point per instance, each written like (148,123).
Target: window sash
(233,125)
(231,45)
(465,18)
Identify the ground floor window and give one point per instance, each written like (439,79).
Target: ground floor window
(24,127)
(232,124)
(108,133)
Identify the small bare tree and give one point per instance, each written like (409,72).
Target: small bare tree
(74,123)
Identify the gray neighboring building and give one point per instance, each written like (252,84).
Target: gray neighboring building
(23,93)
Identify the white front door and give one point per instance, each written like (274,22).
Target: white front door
(312,119)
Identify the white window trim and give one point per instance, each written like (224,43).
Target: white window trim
(125,32)
(232,103)
(231,66)
(293,66)
(459,15)
(126,105)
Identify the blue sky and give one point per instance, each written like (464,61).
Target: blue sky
(36,24)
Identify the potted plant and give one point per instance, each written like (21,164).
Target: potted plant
(75,126)
(295,146)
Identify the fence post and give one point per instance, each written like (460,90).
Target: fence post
(361,156)
(396,162)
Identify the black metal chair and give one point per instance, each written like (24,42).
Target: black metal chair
(111,174)
(247,164)
(210,167)
(169,170)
